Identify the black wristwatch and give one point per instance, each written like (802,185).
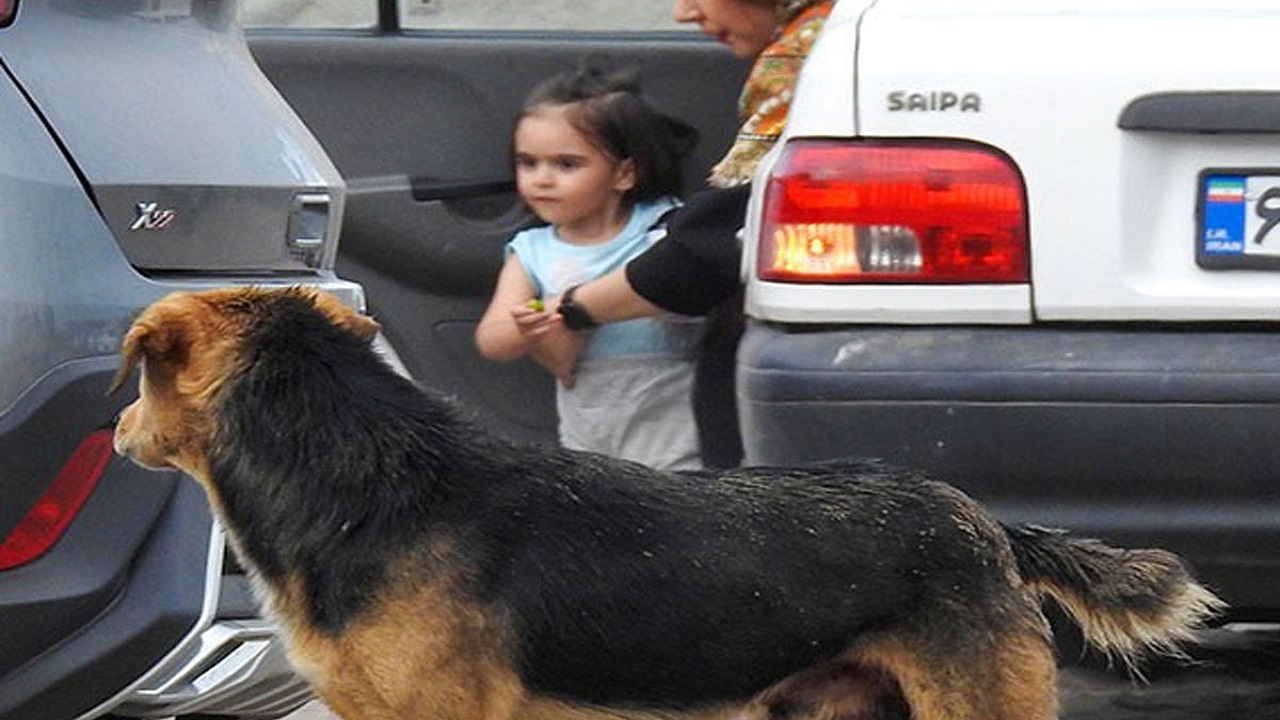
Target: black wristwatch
(575,316)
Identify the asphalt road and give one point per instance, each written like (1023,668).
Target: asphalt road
(1234,675)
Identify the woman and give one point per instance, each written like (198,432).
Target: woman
(694,270)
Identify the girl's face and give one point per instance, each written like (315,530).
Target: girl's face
(566,180)
(746,27)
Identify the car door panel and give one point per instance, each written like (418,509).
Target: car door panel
(419,125)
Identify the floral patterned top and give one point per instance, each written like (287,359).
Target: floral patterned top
(766,96)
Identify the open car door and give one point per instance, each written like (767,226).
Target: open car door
(414,101)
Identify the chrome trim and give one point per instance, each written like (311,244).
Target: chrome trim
(239,668)
(213,585)
(221,667)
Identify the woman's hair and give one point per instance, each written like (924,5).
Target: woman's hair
(612,115)
(786,9)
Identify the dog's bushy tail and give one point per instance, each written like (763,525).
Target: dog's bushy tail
(1128,603)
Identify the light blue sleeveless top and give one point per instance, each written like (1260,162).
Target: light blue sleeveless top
(554,266)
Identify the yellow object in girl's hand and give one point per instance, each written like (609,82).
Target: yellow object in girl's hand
(536,304)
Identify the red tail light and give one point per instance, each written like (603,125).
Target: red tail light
(7,8)
(48,519)
(848,212)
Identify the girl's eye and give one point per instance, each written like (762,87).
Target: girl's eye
(568,163)
(524,162)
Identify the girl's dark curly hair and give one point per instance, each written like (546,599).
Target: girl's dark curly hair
(609,110)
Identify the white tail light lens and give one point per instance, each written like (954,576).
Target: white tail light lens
(877,212)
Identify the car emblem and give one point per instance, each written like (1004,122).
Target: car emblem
(934,101)
(149,216)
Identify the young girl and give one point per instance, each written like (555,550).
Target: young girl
(695,269)
(601,167)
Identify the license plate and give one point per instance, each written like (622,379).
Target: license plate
(1238,218)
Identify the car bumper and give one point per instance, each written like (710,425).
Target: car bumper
(1140,436)
(231,664)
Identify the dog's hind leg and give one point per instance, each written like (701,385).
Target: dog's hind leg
(838,690)
(1009,675)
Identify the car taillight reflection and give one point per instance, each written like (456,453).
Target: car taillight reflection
(47,520)
(849,212)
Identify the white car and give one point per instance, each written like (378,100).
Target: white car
(1033,246)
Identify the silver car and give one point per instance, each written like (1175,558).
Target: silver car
(143,152)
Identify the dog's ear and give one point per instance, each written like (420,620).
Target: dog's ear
(344,316)
(161,342)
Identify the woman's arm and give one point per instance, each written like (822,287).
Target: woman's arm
(610,298)
(690,271)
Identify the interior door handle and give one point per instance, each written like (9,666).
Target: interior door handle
(1242,111)
(427,189)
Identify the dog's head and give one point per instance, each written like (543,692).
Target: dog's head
(187,345)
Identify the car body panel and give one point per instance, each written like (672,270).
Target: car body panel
(177,200)
(155,599)
(45,218)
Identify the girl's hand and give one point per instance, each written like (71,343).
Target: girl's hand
(534,322)
(507,332)
(553,345)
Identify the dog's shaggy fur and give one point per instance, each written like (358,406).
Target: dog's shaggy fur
(421,568)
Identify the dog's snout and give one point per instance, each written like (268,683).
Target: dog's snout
(122,427)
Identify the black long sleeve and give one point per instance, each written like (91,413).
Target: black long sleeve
(695,267)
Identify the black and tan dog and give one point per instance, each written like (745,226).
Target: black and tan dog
(424,569)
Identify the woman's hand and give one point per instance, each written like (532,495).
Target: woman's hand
(557,351)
